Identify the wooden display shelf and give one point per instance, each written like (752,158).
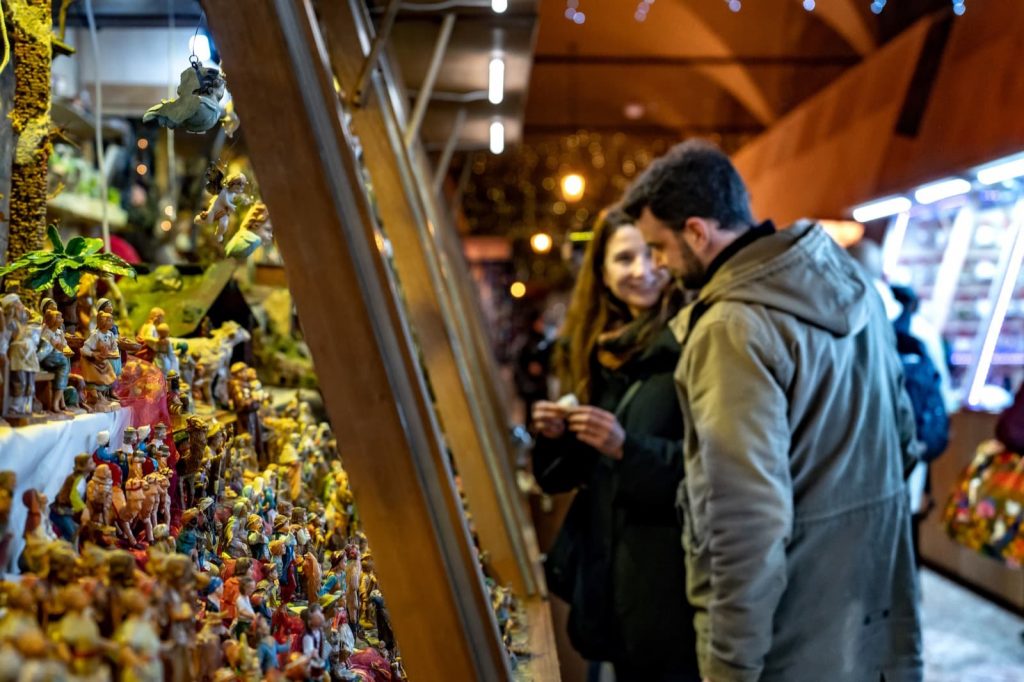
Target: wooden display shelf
(542,666)
(304,156)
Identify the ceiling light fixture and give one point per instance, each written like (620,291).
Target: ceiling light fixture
(883,208)
(809,5)
(499,6)
(633,111)
(959,7)
(735,5)
(496,81)
(573,186)
(573,13)
(877,6)
(1001,171)
(541,242)
(642,8)
(943,189)
(497,137)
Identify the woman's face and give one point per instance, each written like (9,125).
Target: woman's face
(629,272)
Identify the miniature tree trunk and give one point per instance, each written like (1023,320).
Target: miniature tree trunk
(30,119)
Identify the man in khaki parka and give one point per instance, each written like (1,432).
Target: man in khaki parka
(798,439)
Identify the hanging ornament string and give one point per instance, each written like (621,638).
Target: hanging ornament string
(94,39)
(172,180)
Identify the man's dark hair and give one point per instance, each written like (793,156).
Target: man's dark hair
(694,179)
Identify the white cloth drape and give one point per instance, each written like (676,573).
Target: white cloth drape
(43,455)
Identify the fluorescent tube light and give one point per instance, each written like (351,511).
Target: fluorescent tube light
(497,137)
(943,189)
(1003,299)
(496,81)
(1001,171)
(883,208)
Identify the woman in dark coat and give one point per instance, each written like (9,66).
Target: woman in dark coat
(618,560)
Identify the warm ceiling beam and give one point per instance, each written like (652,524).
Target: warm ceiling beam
(695,60)
(736,79)
(641,129)
(843,17)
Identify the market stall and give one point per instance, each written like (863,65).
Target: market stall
(250,526)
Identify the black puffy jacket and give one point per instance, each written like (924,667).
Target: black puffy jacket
(629,597)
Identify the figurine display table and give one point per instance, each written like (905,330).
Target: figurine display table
(42,454)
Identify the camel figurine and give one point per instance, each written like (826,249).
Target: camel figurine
(99,497)
(127,506)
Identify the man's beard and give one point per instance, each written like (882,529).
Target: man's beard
(692,275)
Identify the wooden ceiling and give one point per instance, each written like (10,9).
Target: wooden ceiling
(607,95)
(695,66)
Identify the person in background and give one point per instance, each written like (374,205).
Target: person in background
(532,363)
(799,436)
(616,442)
(901,308)
(1010,427)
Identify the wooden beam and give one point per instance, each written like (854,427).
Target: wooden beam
(372,386)
(408,229)
(673,61)
(475,338)
(844,17)
(490,388)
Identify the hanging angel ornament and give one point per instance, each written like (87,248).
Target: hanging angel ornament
(255,231)
(198,106)
(228,194)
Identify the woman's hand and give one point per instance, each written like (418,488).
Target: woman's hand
(599,429)
(549,418)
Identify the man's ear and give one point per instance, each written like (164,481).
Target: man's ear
(698,233)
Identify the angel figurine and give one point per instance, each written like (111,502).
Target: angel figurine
(229,194)
(255,231)
(198,107)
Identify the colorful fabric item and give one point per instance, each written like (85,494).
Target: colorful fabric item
(984,512)
(143,388)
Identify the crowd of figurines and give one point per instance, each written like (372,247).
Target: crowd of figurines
(209,551)
(49,372)
(228,555)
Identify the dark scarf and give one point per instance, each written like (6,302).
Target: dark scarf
(765,229)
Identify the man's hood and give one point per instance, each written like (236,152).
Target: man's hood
(800,271)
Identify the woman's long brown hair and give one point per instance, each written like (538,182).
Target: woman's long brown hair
(594,311)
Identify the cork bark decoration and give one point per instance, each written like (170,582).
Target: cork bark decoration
(30,119)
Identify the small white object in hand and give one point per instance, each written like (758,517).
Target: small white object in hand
(568,401)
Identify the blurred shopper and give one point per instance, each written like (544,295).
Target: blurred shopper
(926,376)
(533,362)
(616,442)
(1010,428)
(799,437)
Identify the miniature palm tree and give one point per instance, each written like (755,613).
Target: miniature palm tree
(66,264)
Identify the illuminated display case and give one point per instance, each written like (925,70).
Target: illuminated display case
(962,257)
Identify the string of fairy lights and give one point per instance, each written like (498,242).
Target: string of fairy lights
(576,15)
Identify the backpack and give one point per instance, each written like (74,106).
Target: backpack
(923,385)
